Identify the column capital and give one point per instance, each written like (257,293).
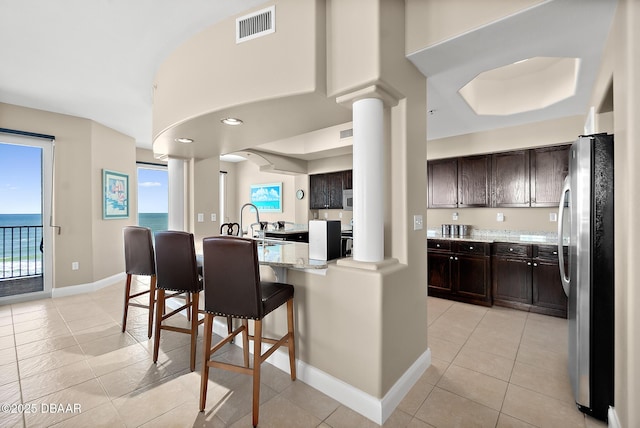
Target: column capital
(388,96)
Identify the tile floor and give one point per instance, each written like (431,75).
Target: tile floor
(492,367)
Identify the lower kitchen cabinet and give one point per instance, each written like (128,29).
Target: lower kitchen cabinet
(459,270)
(547,293)
(527,277)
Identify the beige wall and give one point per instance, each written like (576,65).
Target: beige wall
(116,152)
(621,64)
(248,173)
(219,69)
(82,149)
(548,133)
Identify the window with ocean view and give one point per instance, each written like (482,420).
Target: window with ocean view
(153,197)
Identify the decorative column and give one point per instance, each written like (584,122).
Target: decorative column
(368,180)
(177,198)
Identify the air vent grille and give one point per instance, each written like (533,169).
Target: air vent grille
(346,133)
(256,24)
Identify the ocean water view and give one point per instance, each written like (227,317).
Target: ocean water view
(20,237)
(154,221)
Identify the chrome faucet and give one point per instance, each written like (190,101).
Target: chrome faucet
(257,216)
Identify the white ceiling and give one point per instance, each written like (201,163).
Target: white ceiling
(97,58)
(555,28)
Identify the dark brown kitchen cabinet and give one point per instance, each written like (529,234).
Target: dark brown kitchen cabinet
(527,277)
(511,267)
(442,183)
(325,190)
(347,179)
(549,167)
(548,295)
(510,179)
(473,181)
(459,270)
(519,178)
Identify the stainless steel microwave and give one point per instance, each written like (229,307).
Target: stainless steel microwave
(347,199)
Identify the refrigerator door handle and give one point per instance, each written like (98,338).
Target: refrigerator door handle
(566,188)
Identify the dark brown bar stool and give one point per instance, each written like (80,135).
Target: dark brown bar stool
(233,288)
(232,229)
(139,259)
(178,273)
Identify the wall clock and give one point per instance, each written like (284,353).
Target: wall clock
(300,194)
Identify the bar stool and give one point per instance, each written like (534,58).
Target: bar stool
(139,259)
(233,288)
(230,229)
(177,272)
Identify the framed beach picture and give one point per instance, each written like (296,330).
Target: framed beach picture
(115,195)
(267,197)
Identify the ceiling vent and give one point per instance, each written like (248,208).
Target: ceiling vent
(256,24)
(346,133)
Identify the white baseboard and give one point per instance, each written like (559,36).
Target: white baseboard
(612,416)
(86,288)
(375,409)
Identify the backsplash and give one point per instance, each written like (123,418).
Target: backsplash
(503,235)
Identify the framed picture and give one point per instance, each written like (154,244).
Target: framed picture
(115,195)
(267,197)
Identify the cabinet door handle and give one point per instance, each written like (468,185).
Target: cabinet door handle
(555,253)
(529,264)
(535,264)
(451,258)
(438,245)
(456,258)
(471,248)
(510,249)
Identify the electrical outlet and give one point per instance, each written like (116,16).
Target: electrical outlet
(340,214)
(500,217)
(417,222)
(454,216)
(213,216)
(200,217)
(553,217)
(75,265)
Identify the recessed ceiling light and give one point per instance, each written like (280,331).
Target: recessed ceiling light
(184,140)
(231,121)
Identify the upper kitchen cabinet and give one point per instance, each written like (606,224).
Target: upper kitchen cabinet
(473,181)
(442,183)
(519,178)
(325,190)
(510,179)
(549,167)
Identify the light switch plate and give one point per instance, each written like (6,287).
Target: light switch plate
(200,217)
(500,217)
(213,216)
(417,222)
(553,217)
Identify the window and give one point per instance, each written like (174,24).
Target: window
(153,197)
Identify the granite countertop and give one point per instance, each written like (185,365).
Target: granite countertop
(277,253)
(287,254)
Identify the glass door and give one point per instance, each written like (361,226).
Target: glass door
(26,248)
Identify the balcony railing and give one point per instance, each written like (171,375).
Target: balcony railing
(20,251)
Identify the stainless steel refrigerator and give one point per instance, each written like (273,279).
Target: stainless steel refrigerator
(585,224)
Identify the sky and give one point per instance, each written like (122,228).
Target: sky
(21,183)
(20,179)
(153,190)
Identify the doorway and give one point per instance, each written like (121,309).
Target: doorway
(26,247)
